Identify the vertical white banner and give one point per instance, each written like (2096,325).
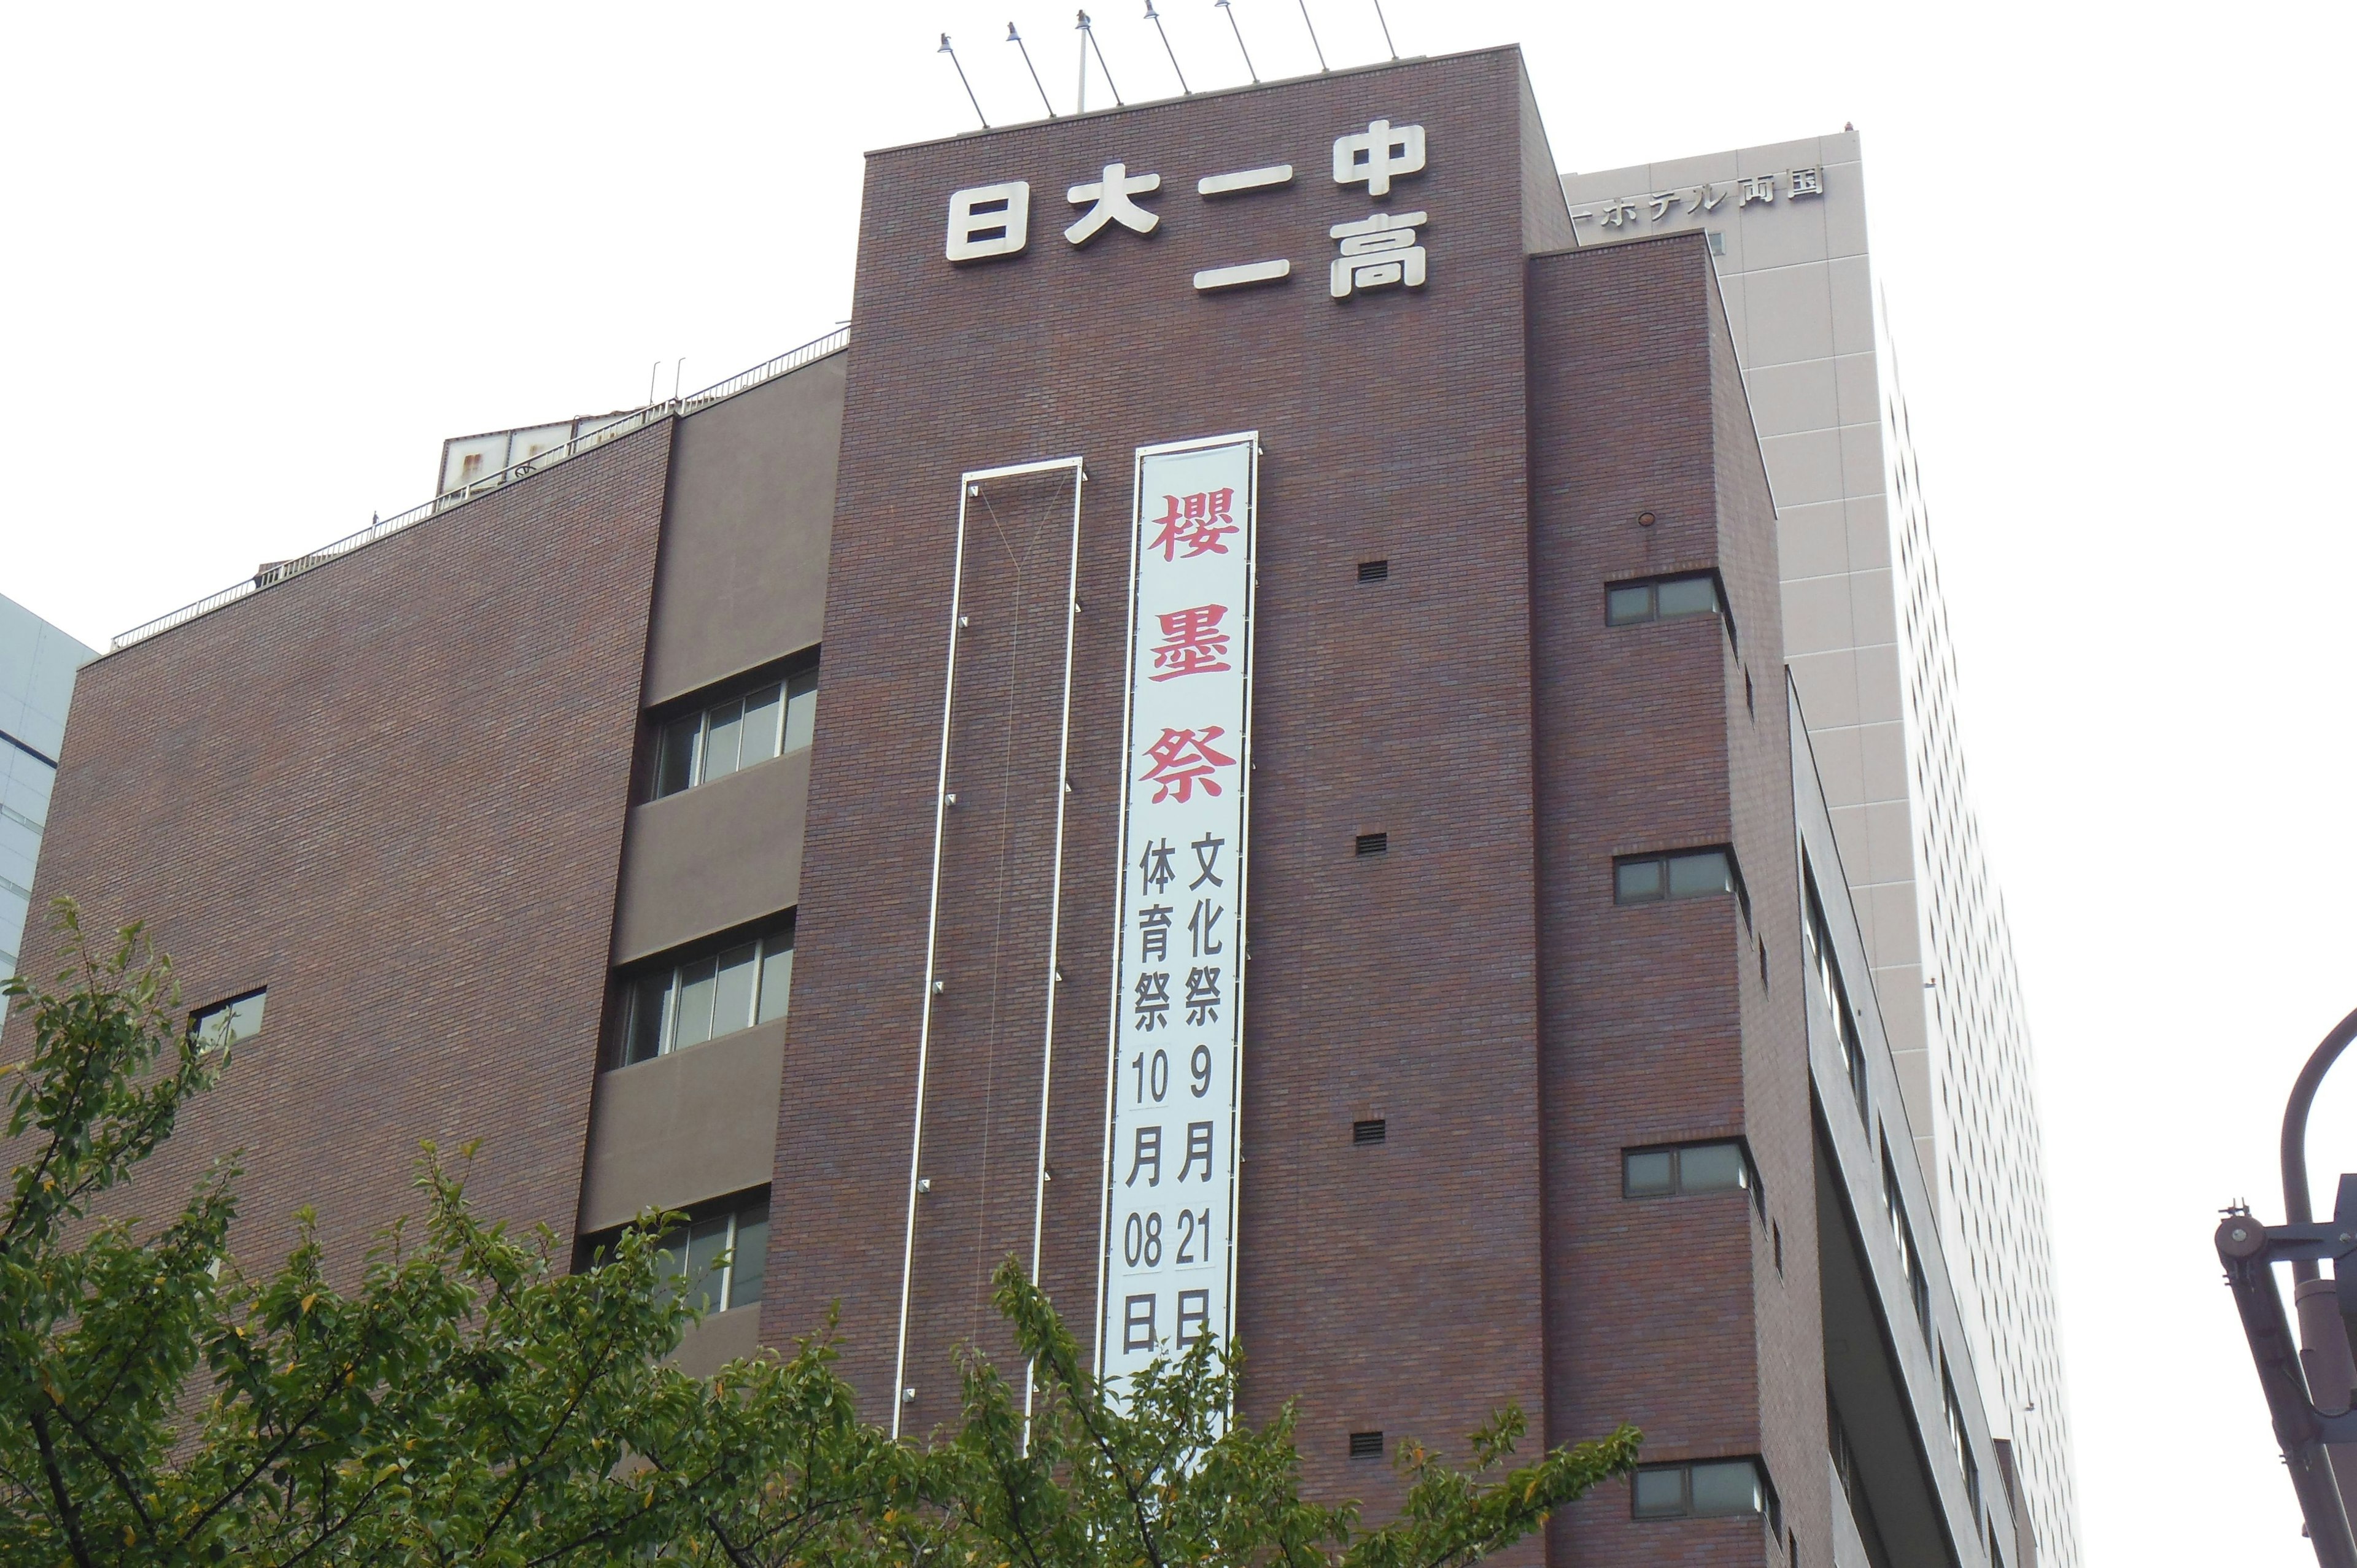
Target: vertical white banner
(1170,1261)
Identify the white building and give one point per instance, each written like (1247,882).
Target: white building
(1865,634)
(37,672)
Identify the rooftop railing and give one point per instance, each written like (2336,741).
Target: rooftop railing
(275,572)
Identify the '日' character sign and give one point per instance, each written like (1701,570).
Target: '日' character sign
(1168,1273)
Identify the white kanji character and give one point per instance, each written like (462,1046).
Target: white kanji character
(1616,214)
(1662,201)
(1756,188)
(1373,155)
(989,221)
(1377,252)
(1108,202)
(1704,198)
(1808,182)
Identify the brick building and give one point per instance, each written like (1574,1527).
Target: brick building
(848,684)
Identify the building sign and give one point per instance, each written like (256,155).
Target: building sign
(1168,1273)
(1700,200)
(1382,250)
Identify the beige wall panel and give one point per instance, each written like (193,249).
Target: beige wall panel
(719,1339)
(712,858)
(697,1124)
(743,575)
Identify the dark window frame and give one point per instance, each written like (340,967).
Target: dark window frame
(203,1019)
(1751,1181)
(741,1210)
(1653,583)
(796,677)
(627,989)
(1767,1505)
(1664,858)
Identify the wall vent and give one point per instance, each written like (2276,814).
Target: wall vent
(1367,1131)
(1374,843)
(1374,571)
(1366,1445)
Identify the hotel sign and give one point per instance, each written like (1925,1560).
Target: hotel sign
(1167,1267)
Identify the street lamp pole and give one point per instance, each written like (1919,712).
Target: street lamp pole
(2308,1382)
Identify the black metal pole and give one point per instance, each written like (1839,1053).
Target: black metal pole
(2298,1205)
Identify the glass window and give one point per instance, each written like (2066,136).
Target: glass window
(1626,606)
(1724,1487)
(1687,597)
(802,710)
(227,1022)
(692,1014)
(706,1240)
(762,711)
(675,768)
(1659,1493)
(1711,1167)
(1637,881)
(648,1000)
(1649,1173)
(777,976)
(751,1256)
(722,725)
(676,1004)
(1693,875)
(732,1000)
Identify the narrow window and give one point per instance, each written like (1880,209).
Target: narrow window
(1721,1165)
(736,727)
(1684,874)
(702,994)
(717,1258)
(1666,599)
(1705,1488)
(224,1023)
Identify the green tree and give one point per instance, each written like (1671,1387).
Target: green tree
(472,1399)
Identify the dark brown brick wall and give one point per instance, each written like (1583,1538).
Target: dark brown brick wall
(1667,1312)
(391,789)
(1396,1286)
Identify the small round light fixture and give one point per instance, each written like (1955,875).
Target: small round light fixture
(1644,519)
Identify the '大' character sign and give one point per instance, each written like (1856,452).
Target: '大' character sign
(1168,1268)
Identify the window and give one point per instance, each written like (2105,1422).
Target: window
(674,1004)
(718,1256)
(226,1023)
(1704,1488)
(751,724)
(1680,1169)
(1910,1261)
(1825,974)
(1683,874)
(1960,1435)
(1665,598)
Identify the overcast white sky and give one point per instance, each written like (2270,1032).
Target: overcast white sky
(264,260)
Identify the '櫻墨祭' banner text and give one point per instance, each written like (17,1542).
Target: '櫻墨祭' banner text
(1169,1268)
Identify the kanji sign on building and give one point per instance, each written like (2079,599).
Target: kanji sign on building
(1168,1268)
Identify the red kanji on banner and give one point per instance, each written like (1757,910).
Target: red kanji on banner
(1180,760)
(1198,523)
(1192,642)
